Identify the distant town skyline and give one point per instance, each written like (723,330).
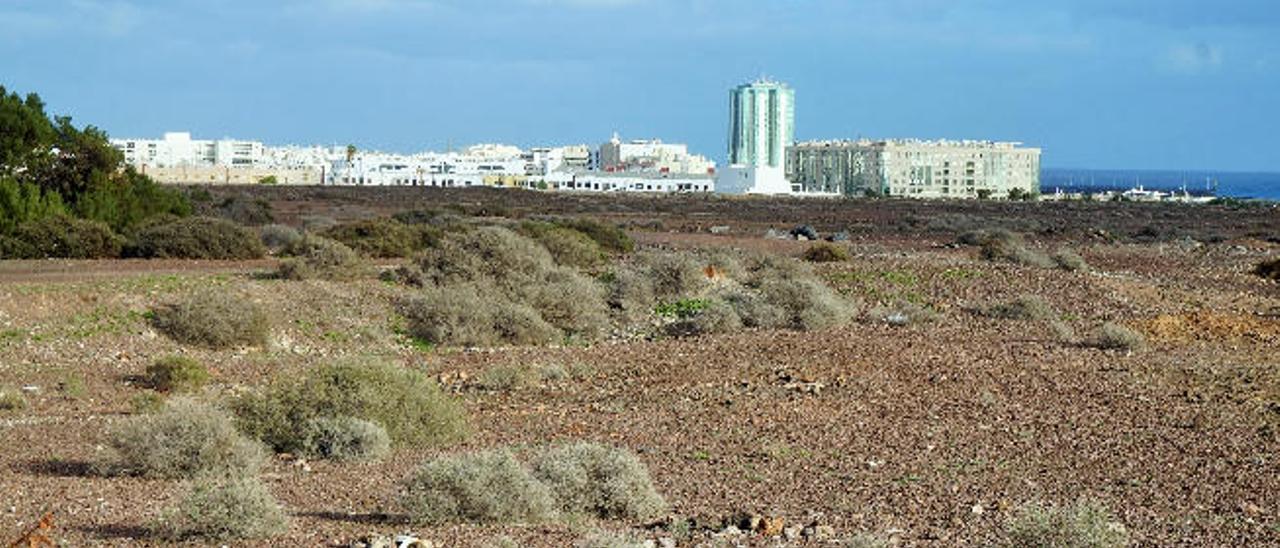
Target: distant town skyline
(1147,84)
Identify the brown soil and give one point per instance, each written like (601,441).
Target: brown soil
(932,434)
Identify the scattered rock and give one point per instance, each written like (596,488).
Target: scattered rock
(804,232)
(722,229)
(30,388)
(792,532)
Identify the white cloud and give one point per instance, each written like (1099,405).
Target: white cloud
(1195,58)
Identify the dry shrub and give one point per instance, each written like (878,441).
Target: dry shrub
(824,252)
(214,318)
(1005,246)
(177,374)
(346,439)
(61,237)
(904,313)
(246,210)
(11,399)
(631,294)
(493,286)
(1268,269)
(1027,307)
(321,258)
(568,247)
(1069,260)
(225,509)
(607,539)
(196,238)
(610,237)
(673,275)
(1085,524)
(185,439)
(488,486)
(468,314)
(594,479)
(806,304)
(716,317)
(754,310)
(865,540)
(382,237)
(279,237)
(1113,336)
(405,402)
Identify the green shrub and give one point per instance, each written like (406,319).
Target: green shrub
(610,237)
(26,202)
(62,237)
(904,313)
(1113,336)
(825,252)
(279,237)
(1268,269)
(214,318)
(224,509)
(715,317)
(488,486)
(1085,524)
(488,253)
(1027,307)
(185,439)
(196,238)
(405,402)
(11,399)
(572,303)
(599,480)
(381,237)
(474,315)
(568,247)
(346,439)
(177,374)
(314,257)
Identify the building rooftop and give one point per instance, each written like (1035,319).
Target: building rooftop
(965,143)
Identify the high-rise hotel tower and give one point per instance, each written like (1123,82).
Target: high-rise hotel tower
(761,126)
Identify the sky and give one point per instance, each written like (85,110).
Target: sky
(1157,84)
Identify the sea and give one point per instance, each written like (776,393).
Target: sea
(1263,186)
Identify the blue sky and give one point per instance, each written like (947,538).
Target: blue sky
(1172,84)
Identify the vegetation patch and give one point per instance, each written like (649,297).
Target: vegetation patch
(1005,246)
(488,486)
(277,238)
(196,238)
(1084,524)
(405,402)
(1027,307)
(383,237)
(1069,260)
(904,313)
(185,439)
(177,374)
(1268,269)
(603,481)
(347,439)
(316,258)
(568,247)
(62,237)
(11,399)
(215,319)
(1114,336)
(825,252)
(224,509)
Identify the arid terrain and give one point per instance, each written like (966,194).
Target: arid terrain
(929,434)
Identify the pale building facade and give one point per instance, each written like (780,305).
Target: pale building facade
(761,127)
(179,149)
(652,155)
(914,168)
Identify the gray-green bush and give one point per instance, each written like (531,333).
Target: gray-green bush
(1114,336)
(279,237)
(224,509)
(184,439)
(488,486)
(196,238)
(1026,307)
(216,318)
(1069,260)
(314,257)
(177,374)
(408,404)
(1084,524)
(904,313)
(346,439)
(589,478)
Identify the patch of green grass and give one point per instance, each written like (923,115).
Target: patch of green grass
(701,455)
(72,386)
(681,309)
(960,274)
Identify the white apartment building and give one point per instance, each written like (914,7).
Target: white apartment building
(178,149)
(652,155)
(761,125)
(914,168)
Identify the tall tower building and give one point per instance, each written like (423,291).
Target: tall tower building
(762,118)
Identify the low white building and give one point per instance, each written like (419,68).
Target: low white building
(652,155)
(178,149)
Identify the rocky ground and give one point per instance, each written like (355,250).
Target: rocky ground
(931,434)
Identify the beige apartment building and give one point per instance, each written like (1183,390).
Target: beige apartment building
(913,168)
